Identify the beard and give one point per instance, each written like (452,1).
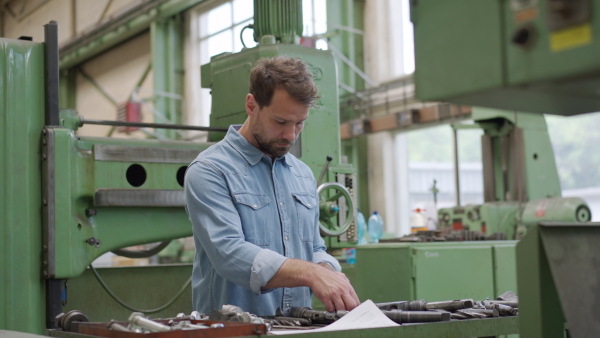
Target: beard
(273,147)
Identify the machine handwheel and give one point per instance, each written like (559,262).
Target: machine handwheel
(329,208)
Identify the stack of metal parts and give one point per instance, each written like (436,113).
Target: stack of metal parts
(506,304)
(401,312)
(419,311)
(194,325)
(140,324)
(448,236)
(404,312)
(232,313)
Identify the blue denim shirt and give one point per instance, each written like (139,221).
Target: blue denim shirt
(249,214)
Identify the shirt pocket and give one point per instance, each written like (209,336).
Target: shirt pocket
(306,215)
(254,214)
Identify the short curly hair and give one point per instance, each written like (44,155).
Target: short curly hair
(282,72)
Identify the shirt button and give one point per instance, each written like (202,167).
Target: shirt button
(308,205)
(287,304)
(280,203)
(286,238)
(254,205)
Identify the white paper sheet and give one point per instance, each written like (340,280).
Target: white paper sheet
(365,316)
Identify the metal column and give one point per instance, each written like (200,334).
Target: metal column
(167,63)
(351,14)
(21,121)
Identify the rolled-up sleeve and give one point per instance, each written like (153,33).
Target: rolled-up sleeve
(266,264)
(217,227)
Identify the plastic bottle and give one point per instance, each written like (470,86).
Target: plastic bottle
(350,255)
(375,227)
(418,221)
(361,224)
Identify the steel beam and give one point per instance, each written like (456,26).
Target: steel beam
(351,14)
(120,29)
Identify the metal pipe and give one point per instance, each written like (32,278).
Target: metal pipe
(400,305)
(149,125)
(117,327)
(401,317)
(510,303)
(486,312)
(451,305)
(351,65)
(73,17)
(143,78)
(415,305)
(456,173)
(51,72)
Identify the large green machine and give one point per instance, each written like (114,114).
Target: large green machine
(521,184)
(524,55)
(533,56)
(66,199)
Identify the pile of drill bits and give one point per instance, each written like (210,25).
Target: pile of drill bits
(506,304)
(403,312)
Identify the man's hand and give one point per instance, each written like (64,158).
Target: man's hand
(332,288)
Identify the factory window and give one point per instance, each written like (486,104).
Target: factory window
(220,27)
(408,48)
(426,156)
(401,49)
(315,21)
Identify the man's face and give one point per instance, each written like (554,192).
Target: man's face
(276,127)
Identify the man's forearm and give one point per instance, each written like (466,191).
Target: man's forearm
(293,273)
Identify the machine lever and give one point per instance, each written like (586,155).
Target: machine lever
(325,167)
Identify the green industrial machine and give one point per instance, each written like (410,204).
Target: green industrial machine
(539,57)
(521,185)
(66,199)
(524,55)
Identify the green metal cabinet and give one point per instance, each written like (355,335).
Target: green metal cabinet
(434,271)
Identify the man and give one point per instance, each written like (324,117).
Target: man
(254,207)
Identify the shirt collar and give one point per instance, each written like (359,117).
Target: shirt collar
(248,151)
